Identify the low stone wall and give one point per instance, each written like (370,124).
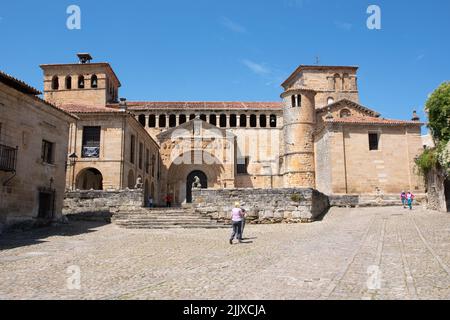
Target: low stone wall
(262,205)
(100,205)
(372,200)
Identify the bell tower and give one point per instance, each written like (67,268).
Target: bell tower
(298,131)
(83,83)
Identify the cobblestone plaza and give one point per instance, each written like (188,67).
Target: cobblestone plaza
(370,253)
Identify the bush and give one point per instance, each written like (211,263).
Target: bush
(296,198)
(427,161)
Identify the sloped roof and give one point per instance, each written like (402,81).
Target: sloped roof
(372,121)
(203,105)
(79,108)
(18,84)
(348,103)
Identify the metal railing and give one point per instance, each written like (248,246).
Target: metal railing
(8,158)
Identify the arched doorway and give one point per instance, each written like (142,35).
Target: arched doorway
(89,179)
(447,193)
(190,181)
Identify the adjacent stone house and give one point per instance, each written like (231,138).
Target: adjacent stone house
(33,153)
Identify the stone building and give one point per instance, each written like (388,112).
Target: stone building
(318,136)
(33,152)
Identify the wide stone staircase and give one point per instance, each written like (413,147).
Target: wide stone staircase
(165,218)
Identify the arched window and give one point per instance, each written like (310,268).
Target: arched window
(330,100)
(293,102)
(183,118)
(263,121)
(213,119)
(253,122)
(162,121)
(55,83)
(68,82)
(223,120)
(172,121)
(152,121)
(337,77)
(273,121)
(94,81)
(243,121)
(191,117)
(142,120)
(345,113)
(80,82)
(203,117)
(233,121)
(345,81)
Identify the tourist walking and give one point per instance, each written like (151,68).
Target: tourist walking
(403,198)
(150,202)
(236,219)
(410,198)
(169,201)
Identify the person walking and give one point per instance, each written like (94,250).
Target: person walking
(150,202)
(169,201)
(410,198)
(403,198)
(236,218)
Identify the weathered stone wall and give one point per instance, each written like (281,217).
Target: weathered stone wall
(436,191)
(100,205)
(263,205)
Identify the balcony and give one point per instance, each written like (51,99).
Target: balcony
(91,152)
(8,158)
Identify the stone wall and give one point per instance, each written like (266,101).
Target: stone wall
(262,205)
(100,205)
(436,191)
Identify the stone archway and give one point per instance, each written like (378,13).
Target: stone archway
(190,180)
(89,179)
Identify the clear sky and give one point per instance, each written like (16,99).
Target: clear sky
(236,50)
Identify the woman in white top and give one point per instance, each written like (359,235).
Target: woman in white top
(236,218)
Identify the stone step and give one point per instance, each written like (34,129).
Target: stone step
(165,222)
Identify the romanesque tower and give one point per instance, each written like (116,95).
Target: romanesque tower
(299,124)
(82,83)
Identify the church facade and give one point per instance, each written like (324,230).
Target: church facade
(318,135)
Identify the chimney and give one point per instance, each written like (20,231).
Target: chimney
(123,105)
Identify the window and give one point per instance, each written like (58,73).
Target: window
(153,167)
(203,117)
(242,165)
(68,82)
(273,121)
(183,119)
(374,141)
(243,121)
(80,82)
(141,154)
(345,113)
(233,121)
(172,121)
(47,152)
(296,100)
(91,142)
(330,101)
(162,121)
(293,102)
(191,117)
(213,120)
(94,81)
(132,148)
(263,121)
(223,120)
(253,122)
(152,121)
(55,83)
(141,119)
(147,161)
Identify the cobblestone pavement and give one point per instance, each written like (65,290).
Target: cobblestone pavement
(373,253)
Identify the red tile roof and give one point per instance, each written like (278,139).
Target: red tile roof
(372,121)
(17,84)
(205,105)
(77,108)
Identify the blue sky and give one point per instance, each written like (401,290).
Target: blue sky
(236,50)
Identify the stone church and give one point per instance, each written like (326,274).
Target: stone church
(318,135)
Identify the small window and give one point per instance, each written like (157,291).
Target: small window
(273,121)
(94,82)
(330,101)
(132,148)
(253,122)
(47,152)
(152,121)
(80,82)
(242,165)
(142,120)
(345,113)
(68,82)
(55,83)
(243,121)
(162,121)
(203,117)
(233,121)
(293,102)
(172,121)
(141,155)
(191,117)
(213,120)
(223,120)
(183,119)
(263,121)
(147,161)
(374,141)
